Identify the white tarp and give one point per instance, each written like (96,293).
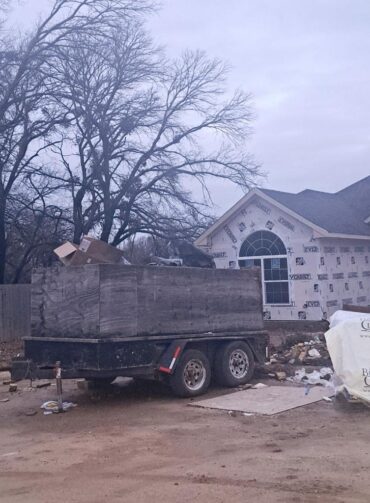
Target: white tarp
(340,316)
(348,343)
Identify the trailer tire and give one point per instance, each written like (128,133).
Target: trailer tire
(234,364)
(192,375)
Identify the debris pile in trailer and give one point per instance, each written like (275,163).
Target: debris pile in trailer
(89,251)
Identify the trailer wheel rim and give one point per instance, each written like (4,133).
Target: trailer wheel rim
(239,364)
(195,375)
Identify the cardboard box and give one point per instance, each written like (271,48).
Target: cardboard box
(100,251)
(90,251)
(81,258)
(66,252)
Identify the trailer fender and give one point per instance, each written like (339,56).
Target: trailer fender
(170,357)
(260,350)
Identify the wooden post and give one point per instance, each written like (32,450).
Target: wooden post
(58,378)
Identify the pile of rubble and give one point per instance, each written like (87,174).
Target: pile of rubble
(313,352)
(303,362)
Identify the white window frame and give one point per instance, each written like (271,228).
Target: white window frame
(262,258)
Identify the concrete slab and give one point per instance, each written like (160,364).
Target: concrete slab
(270,400)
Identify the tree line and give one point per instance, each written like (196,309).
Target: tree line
(102,133)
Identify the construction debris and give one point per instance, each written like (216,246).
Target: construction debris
(90,251)
(321,377)
(327,399)
(269,400)
(313,352)
(52,407)
(30,412)
(4,376)
(280,376)
(43,385)
(259,385)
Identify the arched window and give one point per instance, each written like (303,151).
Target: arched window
(262,243)
(266,250)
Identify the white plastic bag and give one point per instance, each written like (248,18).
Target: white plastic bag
(348,344)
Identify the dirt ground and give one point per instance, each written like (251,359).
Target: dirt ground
(139,444)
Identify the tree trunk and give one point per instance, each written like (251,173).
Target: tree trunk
(107,224)
(2,240)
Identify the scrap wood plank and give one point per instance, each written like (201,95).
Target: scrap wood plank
(270,400)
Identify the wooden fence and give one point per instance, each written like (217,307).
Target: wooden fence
(15,311)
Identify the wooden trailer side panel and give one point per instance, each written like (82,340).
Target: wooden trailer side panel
(65,302)
(166,302)
(188,300)
(102,301)
(118,301)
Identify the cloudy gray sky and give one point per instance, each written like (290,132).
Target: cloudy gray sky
(307,64)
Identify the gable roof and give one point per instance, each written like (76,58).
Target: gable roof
(342,213)
(358,197)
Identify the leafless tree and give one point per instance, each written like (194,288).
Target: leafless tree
(34,229)
(100,132)
(141,126)
(29,112)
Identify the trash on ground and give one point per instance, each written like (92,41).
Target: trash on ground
(322,377)
(52,406)
(13,387)
(327,398)
(5,376)
(280,376)
(30,412)
(4,400)
(43,385)
(259,385)
(245,386)
(314,353)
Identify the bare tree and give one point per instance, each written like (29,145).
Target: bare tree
(100,132)
(141,126)
(29,112)
(34,229)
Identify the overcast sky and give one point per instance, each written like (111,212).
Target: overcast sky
(307,64)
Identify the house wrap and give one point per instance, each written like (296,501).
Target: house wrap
(313,248)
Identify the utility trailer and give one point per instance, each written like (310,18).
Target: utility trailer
(180,325)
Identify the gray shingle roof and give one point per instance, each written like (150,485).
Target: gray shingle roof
(343,212)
